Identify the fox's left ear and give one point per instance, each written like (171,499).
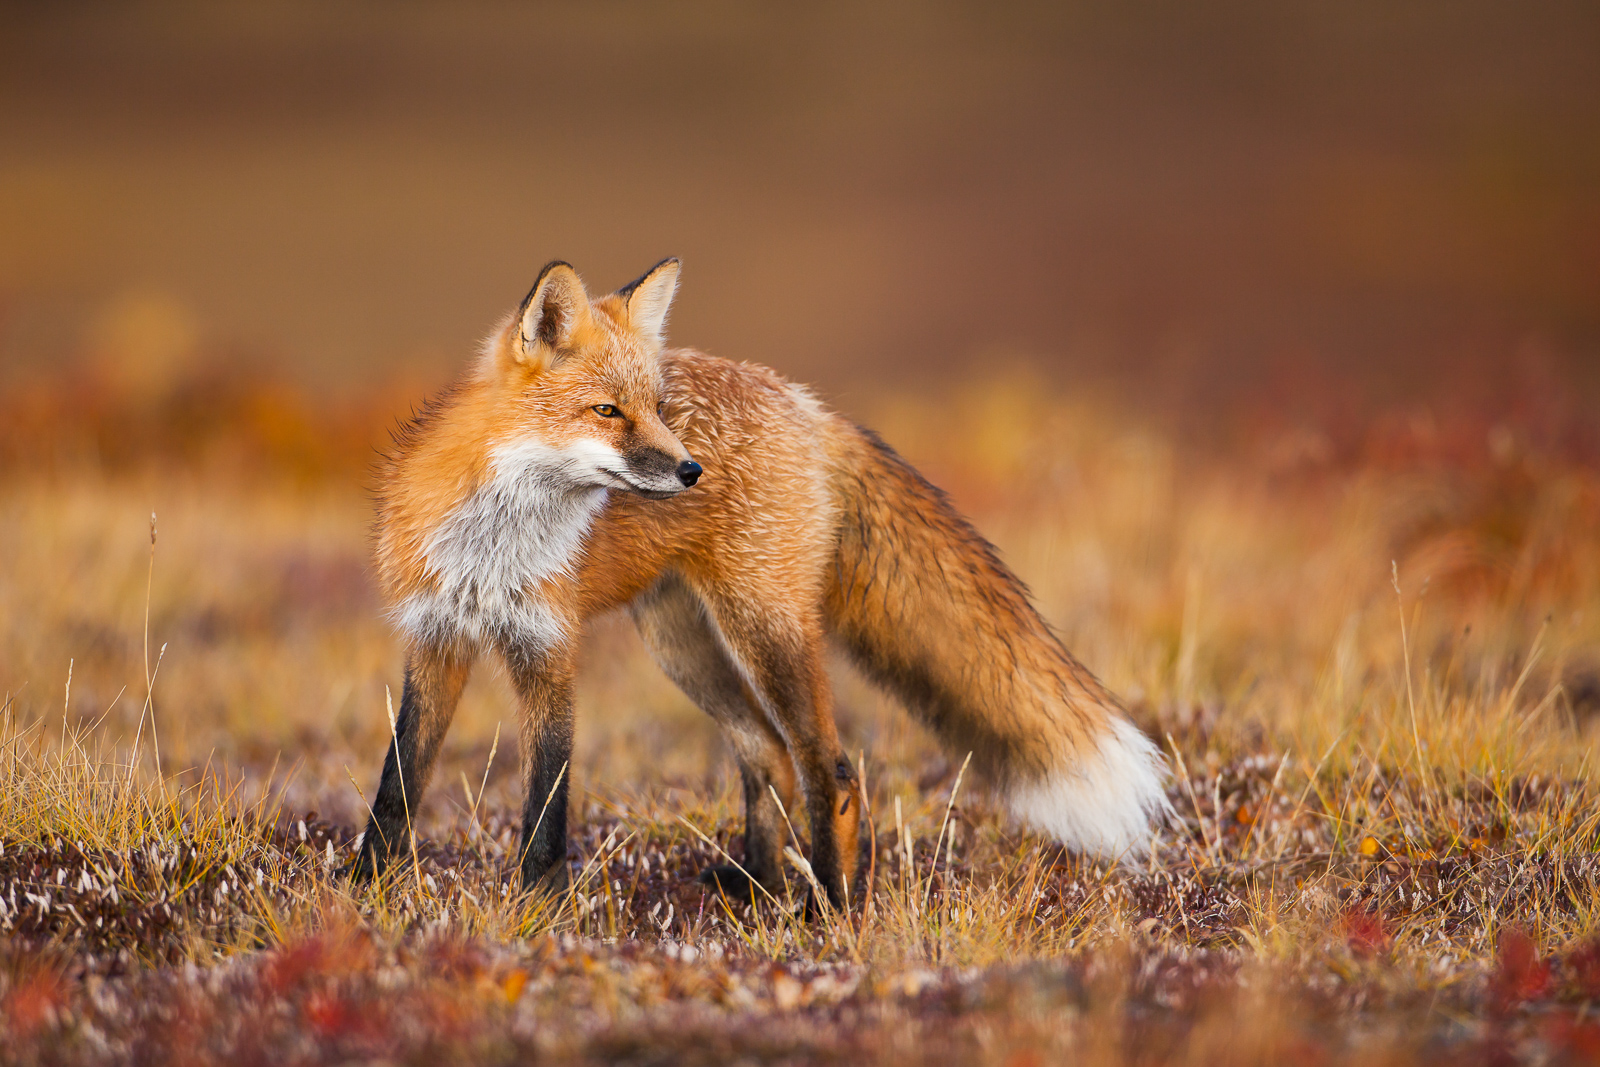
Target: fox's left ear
(649,299)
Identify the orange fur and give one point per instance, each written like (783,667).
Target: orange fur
(539,492)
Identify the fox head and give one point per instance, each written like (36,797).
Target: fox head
(583,382)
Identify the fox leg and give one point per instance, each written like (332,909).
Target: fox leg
(543,681)
(673,623)
(782,655)
(435,677)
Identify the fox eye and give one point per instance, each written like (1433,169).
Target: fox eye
(661,407)
(607,411)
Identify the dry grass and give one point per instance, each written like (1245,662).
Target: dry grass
(1375,662)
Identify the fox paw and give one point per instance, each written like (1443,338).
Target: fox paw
(552,883)
(731,882)
(363,869)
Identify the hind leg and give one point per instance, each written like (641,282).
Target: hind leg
(782,654)
(674,625)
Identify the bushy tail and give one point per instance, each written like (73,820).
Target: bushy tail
(926,608)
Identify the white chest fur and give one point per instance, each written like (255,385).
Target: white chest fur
(525,524)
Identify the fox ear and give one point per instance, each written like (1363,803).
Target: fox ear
(649,298)
(551,312)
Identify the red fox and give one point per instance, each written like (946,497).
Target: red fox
(580,466)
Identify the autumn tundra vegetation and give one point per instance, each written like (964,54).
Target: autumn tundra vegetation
(1369,650)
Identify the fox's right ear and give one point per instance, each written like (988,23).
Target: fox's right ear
(550,314)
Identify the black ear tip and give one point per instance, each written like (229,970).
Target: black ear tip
(543,274)
(627,290)
(554,264)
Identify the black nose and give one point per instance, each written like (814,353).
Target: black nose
(689,472)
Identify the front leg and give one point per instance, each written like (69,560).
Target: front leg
(543,681)
(435,676)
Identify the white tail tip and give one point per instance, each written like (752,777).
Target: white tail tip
(1108,805)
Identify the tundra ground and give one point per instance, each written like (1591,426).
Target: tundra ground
(1374,660)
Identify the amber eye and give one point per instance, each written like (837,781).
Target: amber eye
(607,411)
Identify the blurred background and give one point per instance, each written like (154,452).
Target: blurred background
(1261,337)
(1318,205)
(1207,313)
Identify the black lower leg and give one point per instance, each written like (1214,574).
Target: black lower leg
(388,831)
(544,815)
(767,772)
(763,834)
(543,680)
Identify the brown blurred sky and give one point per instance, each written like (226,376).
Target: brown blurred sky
(1196,197)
